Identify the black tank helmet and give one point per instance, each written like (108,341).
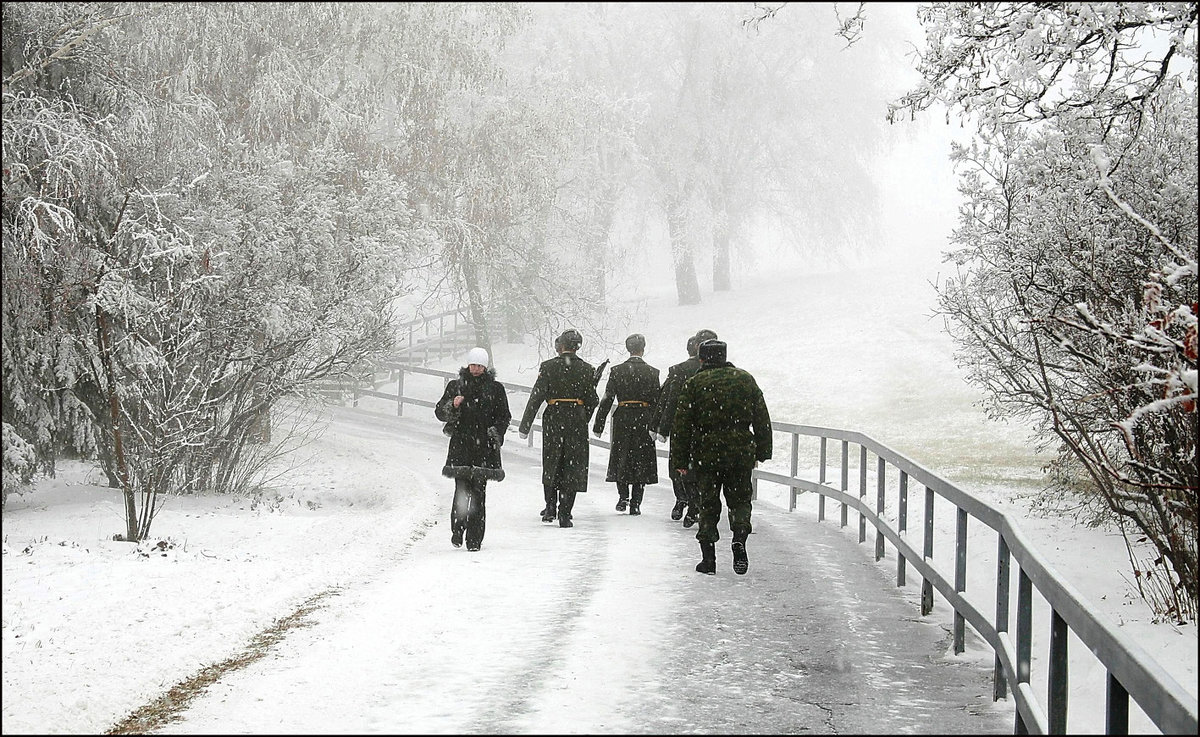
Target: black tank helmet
(712,351)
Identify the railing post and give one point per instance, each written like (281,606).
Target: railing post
(999,682)
(821,500)
(1024,637)
(880,476)
(1056,686)
(926,584)
(400,392)
(862,492)
(845,478)
(1116,719)
(960,577)
(901,561)
(795,469)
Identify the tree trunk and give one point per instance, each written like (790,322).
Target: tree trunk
(687,287)
(723,229)
(475,298)
(721,279)
(114,409)
(607,205)
(260,425)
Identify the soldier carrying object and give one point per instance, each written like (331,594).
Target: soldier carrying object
(566,383)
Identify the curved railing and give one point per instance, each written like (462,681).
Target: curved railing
(1131,672)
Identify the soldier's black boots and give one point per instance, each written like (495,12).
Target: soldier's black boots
(708,563)
(550,511)
(677,510)
(634,508)
(689,518)
(622,503)
(741,563)
(566,503)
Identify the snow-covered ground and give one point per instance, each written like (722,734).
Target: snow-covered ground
(94,629)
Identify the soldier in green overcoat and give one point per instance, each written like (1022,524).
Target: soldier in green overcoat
(567,385)
(722,430)
(632,461)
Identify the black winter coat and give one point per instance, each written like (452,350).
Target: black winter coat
(473,453)
(668,401)
(668,398)
(565,445)
(634,386)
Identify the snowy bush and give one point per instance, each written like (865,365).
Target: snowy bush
(18,462)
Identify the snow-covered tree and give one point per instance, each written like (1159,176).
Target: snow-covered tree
(199,197)
(1075,300)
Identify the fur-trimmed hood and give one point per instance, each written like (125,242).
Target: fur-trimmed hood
(464,374)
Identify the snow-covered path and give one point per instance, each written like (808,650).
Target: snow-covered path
(605,627)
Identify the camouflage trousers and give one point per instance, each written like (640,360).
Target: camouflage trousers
(738,490)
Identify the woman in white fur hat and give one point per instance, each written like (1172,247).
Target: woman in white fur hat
(475,410)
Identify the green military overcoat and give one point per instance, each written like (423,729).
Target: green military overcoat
(721,421)
(567,386)
(633,385)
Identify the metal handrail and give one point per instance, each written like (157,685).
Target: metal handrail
(431,343)
(1132,672)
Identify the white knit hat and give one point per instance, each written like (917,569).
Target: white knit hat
(477,355)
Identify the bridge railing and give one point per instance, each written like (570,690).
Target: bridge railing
(1007,628)
(434,336)
(419,341)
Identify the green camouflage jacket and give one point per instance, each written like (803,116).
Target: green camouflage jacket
(721,421)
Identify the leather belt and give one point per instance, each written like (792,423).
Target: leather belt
(633,403)
(564,401)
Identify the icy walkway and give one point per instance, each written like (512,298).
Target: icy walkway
(606,628)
